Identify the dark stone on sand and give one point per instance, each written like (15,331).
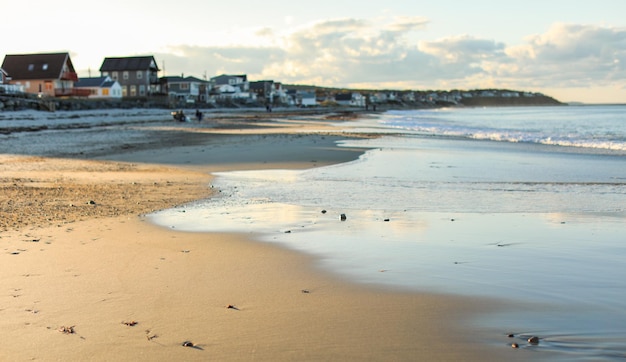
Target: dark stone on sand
(533,340)
(386,220)
(91,202)
(515,345)
(323,211)
(510,335)
(343,217)
(187,344)
(67,330)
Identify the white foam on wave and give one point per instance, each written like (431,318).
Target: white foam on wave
(604,129)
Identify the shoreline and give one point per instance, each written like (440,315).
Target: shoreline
(179,286)
(94,272)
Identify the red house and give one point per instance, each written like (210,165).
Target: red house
(49,74)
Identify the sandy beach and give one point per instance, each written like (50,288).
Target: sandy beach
(85,277)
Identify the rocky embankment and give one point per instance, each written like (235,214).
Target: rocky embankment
(26,102)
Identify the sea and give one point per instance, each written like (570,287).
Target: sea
(519,204)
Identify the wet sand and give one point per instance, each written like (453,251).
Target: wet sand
(84,275)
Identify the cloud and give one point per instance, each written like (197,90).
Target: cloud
(355,52)
(573,55)
(197,60)
(462,49)
(408,23)
(265,32)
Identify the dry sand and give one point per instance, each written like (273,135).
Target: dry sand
(85,277)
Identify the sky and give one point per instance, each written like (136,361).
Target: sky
(570,50)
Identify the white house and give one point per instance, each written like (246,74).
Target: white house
(280,93)
(353,99)
(358,100)
(7,88)
(226,91)
(306,99)
(239,81)
(100,87)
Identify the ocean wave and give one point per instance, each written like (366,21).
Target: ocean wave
(552,127)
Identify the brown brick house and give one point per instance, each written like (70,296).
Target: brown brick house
(138,76)
(50,74)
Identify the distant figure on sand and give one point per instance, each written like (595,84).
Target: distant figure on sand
(198,115)
(179,116)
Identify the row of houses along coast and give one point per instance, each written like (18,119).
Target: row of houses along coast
(54,75)
(137,77)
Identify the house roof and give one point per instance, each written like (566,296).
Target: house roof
(172,79)
(91,82)
(194,79)
(261,84)
(343,97)
(179,79)
(220,79)
(129,63)
(108,84)
(36,66)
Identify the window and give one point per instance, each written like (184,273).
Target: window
(124,92)
(105,74)
(105,92)
(125,75)
(45,66)
(142,90)
(49,86)
(184,86)
(139,74)
(31,67)
(114,75)
(133,90)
